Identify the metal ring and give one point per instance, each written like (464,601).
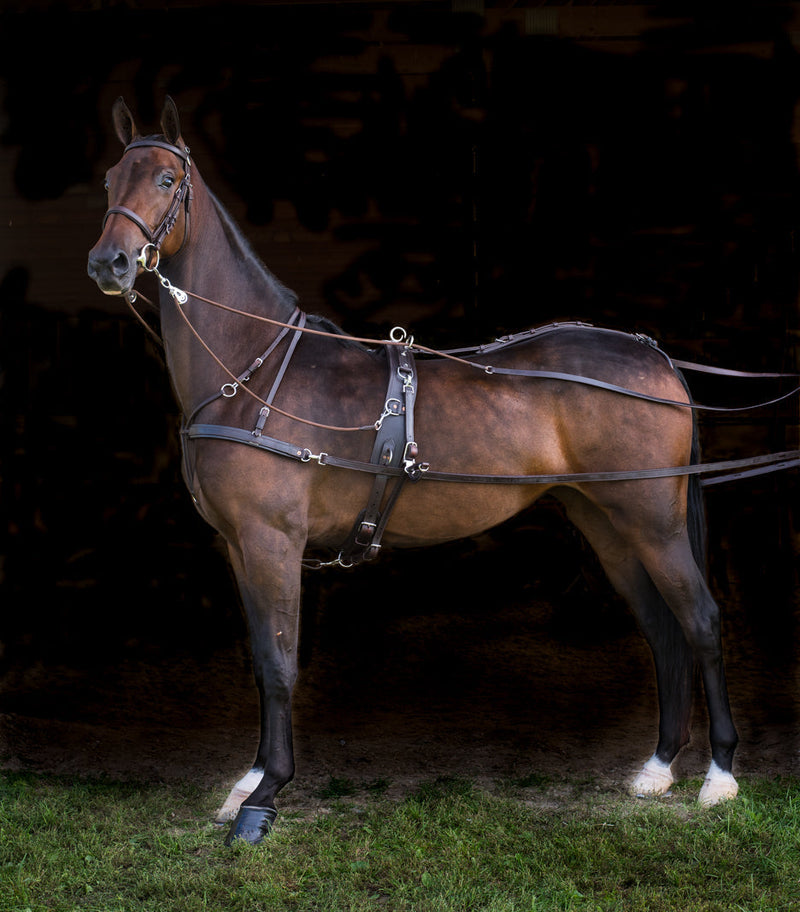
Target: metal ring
(142,260)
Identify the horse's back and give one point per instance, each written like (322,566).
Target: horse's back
(550,418)
(630,360)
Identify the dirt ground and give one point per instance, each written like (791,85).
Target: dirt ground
(465,660)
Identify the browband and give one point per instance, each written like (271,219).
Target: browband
(183,154)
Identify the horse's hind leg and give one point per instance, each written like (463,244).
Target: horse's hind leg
(648,521)
(677,577)
(672,655)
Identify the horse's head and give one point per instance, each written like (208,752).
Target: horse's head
(148,196)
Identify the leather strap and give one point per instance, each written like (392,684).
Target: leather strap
(265,409)
(228,390)
(393,441)
(183,154)
(131,216)
(183,194)
(775,461)
(513,339)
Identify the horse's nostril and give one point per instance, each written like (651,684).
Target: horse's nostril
(120,264)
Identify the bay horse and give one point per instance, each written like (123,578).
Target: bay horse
(328,393)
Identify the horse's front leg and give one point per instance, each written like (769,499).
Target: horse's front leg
(268,574)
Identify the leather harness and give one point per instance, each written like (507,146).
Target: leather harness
(395,451)
(394,448)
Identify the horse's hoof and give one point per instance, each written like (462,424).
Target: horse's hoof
(719,786)
(252,824)
(654,779)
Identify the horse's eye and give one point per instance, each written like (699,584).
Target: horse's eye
(106,185)
(167,181)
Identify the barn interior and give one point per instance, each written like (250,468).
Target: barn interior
(463,169)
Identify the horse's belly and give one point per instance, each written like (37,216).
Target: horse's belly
(430,513)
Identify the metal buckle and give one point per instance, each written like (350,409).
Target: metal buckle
(308,456)
(391,407)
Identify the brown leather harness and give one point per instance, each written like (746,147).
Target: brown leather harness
(395,451)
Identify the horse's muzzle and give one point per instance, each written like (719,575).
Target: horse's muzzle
(114,271)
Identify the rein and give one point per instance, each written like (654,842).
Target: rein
(769,462)
(399,338)
(364,541)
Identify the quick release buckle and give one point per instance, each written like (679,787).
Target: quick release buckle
(308,456)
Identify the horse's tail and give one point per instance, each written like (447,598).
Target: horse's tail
(695,507)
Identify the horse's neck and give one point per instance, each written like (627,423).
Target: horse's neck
(217,264)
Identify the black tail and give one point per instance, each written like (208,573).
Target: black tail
(695,507)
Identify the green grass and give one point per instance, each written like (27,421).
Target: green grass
(529,845)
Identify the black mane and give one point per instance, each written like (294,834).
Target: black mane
(239,241)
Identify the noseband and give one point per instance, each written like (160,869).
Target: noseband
(183,194)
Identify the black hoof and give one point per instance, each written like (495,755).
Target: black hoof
(252,824)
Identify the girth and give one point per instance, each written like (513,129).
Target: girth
(394,448)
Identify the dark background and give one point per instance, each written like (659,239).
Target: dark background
(463,174)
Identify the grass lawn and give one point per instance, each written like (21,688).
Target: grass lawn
(531,845)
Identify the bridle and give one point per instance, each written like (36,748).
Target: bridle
(182,196)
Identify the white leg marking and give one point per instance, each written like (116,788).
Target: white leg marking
(654,779)
(242,790)
(719,786)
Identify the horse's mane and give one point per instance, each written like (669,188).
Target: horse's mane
(284,294)
(238,240)
(327,325)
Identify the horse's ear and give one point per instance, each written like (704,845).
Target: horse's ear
(123,121)
(170,121)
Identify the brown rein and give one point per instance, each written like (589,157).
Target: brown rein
(183,196)
(407,342)
(749,466)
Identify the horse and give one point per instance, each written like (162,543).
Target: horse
(617,462)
